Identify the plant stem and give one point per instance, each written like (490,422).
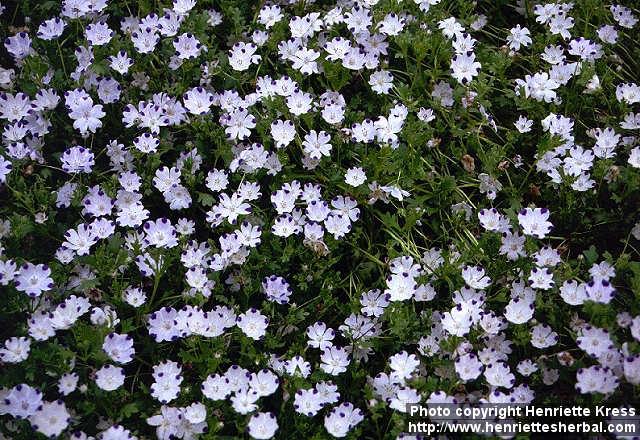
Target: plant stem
(64,69)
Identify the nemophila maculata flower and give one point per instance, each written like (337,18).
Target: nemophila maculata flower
(535,221)
(262,425)
(18,45)
(276,289)
(33,279)
(109,377)
(119,347)
(68,383)
(342,419)
(596,379)
(51,418)
(167,376)
(15,350)
(252,323)
(403,397)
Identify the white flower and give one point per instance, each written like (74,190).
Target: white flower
(523,124)
(15,350)
(474,277)
(464,67)
(109,377)
(535,221)
(355,176)
(51,418)
(262,425)
(518,37)
(381,82)
(335,360)
(403,365)
(253,324)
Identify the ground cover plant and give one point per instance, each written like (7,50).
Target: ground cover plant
(290,219)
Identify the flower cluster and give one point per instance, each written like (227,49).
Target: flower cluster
(295,219)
